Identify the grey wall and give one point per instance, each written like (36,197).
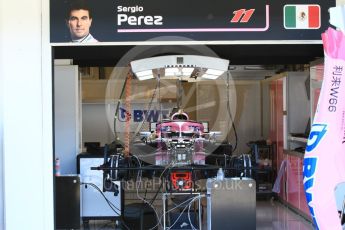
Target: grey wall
(95,124)
(245,105)
(298,103)
(266,116)
(66,123)
(97,120)
(248,114)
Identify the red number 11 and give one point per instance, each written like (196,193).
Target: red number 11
(242,13)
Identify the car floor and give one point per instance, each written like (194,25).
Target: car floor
(270,214)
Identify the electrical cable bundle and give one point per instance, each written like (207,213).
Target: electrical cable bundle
(191,200)
(141,198)
(111,205)
(228,109)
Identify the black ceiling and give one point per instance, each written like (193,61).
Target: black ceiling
(237,54)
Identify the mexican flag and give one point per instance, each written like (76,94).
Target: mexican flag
(302,17)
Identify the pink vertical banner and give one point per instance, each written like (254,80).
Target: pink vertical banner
(324,161)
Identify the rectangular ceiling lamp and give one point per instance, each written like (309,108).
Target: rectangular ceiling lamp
(187,71)
(144,75)
(178,72)
(147,77)
(171,72)
(212,74)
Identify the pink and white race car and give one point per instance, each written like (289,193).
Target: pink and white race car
(180,141)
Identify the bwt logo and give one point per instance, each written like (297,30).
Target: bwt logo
(139,115)
(317,132)
(309,169)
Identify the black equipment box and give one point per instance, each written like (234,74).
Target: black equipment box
(67,202)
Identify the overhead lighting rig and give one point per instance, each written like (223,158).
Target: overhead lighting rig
(186,66)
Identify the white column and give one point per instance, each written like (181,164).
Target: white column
(2,81)
(25,76)
(2,226)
